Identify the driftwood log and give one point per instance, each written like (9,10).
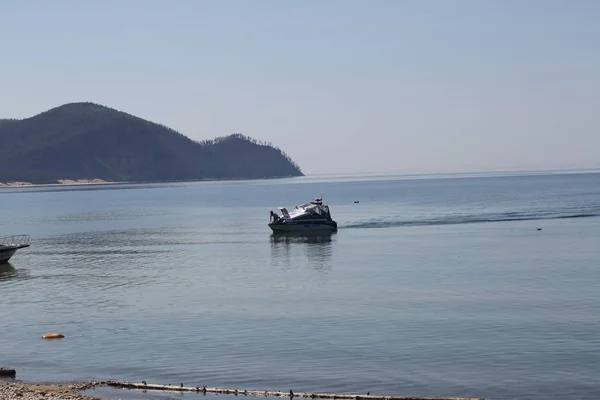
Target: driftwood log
(290,394)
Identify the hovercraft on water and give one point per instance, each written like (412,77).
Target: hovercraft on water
(311,217)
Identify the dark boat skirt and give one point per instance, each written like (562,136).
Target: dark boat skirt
(317,226)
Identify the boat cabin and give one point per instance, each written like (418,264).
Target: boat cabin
(312,210)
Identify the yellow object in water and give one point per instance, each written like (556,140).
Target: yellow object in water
(52,335)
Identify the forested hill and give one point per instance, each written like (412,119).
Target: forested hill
(88,141)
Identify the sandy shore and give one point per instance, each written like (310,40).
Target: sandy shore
(10,390)
(65,182)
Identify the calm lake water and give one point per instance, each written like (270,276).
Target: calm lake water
(433,286)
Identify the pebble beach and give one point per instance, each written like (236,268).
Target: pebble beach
(22,391)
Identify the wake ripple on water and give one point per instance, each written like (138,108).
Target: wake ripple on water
(395,221)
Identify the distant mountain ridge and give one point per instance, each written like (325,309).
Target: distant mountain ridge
(79,141)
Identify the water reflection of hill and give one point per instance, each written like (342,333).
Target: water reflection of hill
(290,249)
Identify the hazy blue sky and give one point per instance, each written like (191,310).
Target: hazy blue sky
(341,86)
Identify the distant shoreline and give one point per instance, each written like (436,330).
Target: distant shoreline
(62,182)
(443,175)
(92,182)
